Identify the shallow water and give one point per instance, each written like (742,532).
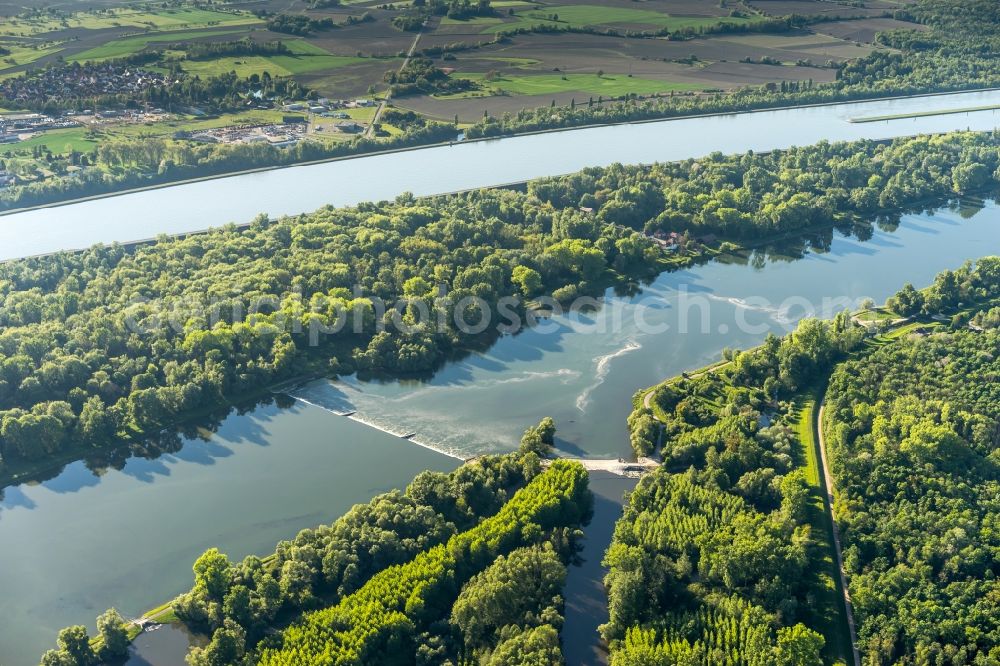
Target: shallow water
(165,645)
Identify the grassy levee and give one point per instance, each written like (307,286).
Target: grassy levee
(925,114)
(830,614)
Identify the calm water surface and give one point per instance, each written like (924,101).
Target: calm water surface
(586,601)
(80,542)
(293,190)
(164,646)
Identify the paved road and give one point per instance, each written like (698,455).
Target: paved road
(828,499)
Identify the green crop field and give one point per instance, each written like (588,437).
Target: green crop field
(579,16)
(607,85)
(156,20)
(24,55)
(281,65)
(120,48)
(58,141)
(306,57)
(244,66)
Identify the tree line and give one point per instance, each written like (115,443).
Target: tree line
(302,25)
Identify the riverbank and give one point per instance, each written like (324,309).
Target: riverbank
(18,472)
(924,114)
(440,144)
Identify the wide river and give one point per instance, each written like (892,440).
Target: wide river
(127,534)
(196,206)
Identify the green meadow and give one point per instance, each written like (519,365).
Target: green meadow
(581,16)
(607,85)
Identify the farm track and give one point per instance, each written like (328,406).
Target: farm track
(828,484)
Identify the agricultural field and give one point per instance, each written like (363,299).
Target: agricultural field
(577,52)
(164,19)
(304,58)
(584,16)
(535,69)
(23,55)
(864,30)
(120,48)
(593,84)
(532,65)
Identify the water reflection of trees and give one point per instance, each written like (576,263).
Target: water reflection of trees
(167,442)
(820,241)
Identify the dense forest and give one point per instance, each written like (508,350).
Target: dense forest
(714,560)
(461,567)
(750,195)
(718,557)
(913,436)
(112,342)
